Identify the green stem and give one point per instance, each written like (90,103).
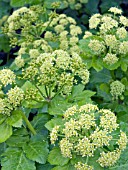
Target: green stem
(58,92)
(40,91)
(28,123)
(46,90)
(87,160)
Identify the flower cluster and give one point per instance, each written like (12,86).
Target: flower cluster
(15,96)
(66,40)
(74,4)
(86,129)
(25,28)
(12,98)
(23,23)
(7,77)
(83,166)
(116,89)
(58,70)
(110,41)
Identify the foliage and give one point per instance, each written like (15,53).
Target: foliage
(67,88)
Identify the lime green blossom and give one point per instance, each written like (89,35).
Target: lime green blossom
(19,61)
(7,77)
(116,89)
(83,166)
(123,48)
(15,96)
(115,10)
(86,129)
(122,141)
(57,69)
(110,59)
(121,32)
(94,21)
(109,159)
(124,21)
(96,46)
(5,107)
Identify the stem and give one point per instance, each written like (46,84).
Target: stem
(28,124)
(40,91)
(58,92)
(8,57)
(46,90)
(87,160)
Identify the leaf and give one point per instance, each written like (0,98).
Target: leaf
(39,121)
(15,119)
(36,150)
(2,148)
(58,106)
(19,138)
(2,118)
(122,164)
(53,122)
(65,167)
(103,76)
(105,5)
(5,132)
(15,159)
(44,167)
(79,94)
(4,43)
(92,7)
(55,157)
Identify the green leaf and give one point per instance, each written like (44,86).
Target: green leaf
(105,5)
(5,132)
(2,118)
(92,7)
(19,138)
(4,43)
(80,95)
(15,159)
(55,157)
(122,164)
(103,76)
(53,122)
(45,167)
(15,119)
(65,167)
(2,148)
(58,106)
(36,150)
(39,121)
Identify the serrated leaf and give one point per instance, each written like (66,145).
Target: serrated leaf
(58,106)
(103,76)
(36,151)
(44,167)
(19,138)
(39,121)
(15,159)
(55,157)
(5,132)
(65,167)
(15,119)
(53,122)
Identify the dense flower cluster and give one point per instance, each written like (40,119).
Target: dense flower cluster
(67,40)
(7,77)
(86,129)
(74,4)
(116,89)
(58,70)
(110,40)
(60,32)
(82,166)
